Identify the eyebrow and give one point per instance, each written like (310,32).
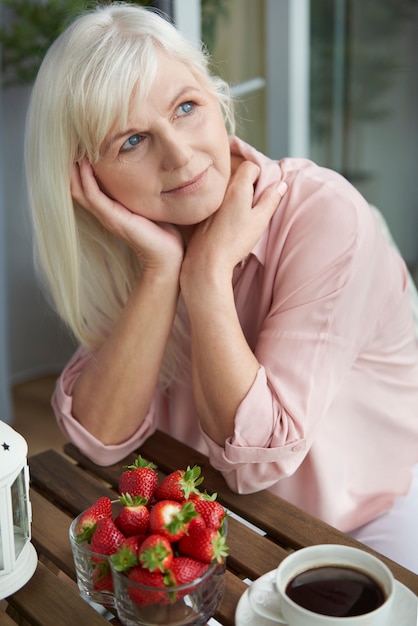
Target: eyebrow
(132,131)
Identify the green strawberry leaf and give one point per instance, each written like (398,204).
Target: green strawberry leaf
(140,462)
(124,559)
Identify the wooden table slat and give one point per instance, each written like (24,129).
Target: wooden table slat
(250,554)
(6,620)
(234,588)
(50,533)
(73,489)
(49,601)
(108,473)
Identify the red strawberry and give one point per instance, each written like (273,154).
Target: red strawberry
(139,479)
(133,519)
(107,537)
(155,553)
(88,520)
(204,544)
(102,576)
(145,597)
(171,519)
(211,511)
(196,522)
(126,555)
(184,570)
(179,485)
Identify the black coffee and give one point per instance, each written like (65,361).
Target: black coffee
(336,590)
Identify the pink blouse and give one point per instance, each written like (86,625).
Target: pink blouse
(331,420)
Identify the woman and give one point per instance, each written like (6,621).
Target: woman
(251,308)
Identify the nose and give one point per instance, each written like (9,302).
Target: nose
(176,150)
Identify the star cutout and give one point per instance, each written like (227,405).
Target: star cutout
(5,446)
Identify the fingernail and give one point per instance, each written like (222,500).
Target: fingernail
(282,187)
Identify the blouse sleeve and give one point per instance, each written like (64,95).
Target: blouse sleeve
(62,401)
(327,287)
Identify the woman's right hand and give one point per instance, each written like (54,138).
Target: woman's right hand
(155,244)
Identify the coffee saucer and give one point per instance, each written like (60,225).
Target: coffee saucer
(405,607)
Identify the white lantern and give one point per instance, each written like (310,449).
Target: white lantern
(18,558)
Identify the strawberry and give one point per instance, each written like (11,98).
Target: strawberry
(89,519)
(196,522)
(179,485)
(107,538)
(204,544)
(171,519)
(126,555)
(184,570)
(139,479)
(145,597)
(102,576)
(155,553)
(211,511)
(133,519)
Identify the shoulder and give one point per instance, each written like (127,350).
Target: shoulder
(306,176)
(322,200)
(320,229)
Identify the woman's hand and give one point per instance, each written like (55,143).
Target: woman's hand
(229,235)
(154,244)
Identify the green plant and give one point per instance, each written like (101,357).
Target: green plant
(31,28)
(212,11)
(32,25)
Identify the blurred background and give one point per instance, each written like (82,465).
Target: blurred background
(332,80)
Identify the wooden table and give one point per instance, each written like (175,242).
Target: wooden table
(64,485)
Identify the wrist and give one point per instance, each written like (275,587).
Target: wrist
(204,285)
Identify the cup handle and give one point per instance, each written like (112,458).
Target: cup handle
(265,600)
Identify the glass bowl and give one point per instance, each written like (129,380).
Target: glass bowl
(192,604)
(93,571)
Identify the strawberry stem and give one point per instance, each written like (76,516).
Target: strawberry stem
(179,521)
(190,480)
(124,559)
(128,500)
(140,462)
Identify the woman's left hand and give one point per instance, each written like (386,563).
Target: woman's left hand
(229,235)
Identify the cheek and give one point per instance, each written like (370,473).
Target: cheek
(106,179)
(120,186)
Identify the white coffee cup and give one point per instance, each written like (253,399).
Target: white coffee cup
(268,597)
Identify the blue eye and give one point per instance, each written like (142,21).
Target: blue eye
(185,108)
(131,142)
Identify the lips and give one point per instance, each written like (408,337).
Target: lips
(189,186)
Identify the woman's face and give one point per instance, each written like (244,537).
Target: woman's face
(172,162)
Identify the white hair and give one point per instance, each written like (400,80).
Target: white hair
(86,81)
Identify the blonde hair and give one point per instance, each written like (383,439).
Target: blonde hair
(87,78)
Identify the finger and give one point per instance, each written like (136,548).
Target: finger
(247,171)
(86,191)
(80,182)
(76,188)
(88,180)
(271,197)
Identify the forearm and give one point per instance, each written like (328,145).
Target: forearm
(112,395)
(224,367)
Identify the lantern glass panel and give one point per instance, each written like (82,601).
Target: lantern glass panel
(20,513)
